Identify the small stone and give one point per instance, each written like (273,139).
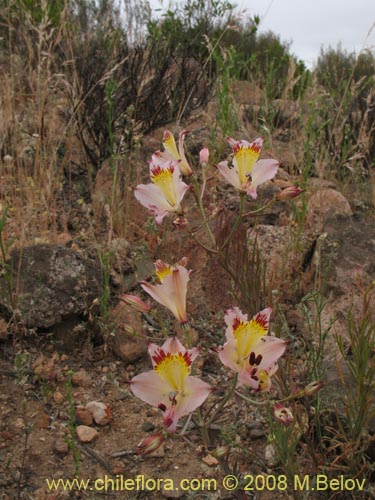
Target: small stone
(270,455)
(81,378)
(148,427)
(101,412)
(44,421)
(86,434)
(63,239)
(256,433)
(60,447)
(7,436)
(210,460)
(83,416)
(119,469)
(3,329)
(19,423)
(129,341)
(58,397)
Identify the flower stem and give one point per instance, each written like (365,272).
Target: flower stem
(199,197)
(237,223)
(224,401)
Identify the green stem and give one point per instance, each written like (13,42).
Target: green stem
(224,401)
(237,223)
(210,250)
(201,209)
(253,212)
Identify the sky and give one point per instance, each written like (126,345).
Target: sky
(311,24)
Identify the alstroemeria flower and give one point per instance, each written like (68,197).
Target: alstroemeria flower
(172,153)
(171,292)
(165,193)
(246,172)
(169,386)
(249,351)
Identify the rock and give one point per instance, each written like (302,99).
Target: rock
(60,447)
(44,421)
(83,416)
(58,397)
(270,455)
(3,329)
(256,433)
(129,340)
(100,412)
(210,460)
(46,368)
(324,204)
(53,283)
(86,434)
(81,378)
(148,426)
(345,262)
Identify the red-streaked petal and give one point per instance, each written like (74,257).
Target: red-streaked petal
(232,315)
(262,318)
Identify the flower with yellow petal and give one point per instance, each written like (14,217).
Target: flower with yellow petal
(172,290)
(165,193)
(249,351)
(169,385)
(172,153)
(246,172)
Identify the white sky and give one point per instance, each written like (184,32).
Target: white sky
(311,24)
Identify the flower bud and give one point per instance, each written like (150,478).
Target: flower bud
(289,193)
(135,302)
(313,387)
(282,414)
(180,222)
(220,452)
(150,443)
(203,156)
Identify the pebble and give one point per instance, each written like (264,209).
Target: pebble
(60,447)
(100,412)
(83,416)
(86,434)
(81,378)
(256,433)
(44,421)
(270,455)
(58,397)
(148,427)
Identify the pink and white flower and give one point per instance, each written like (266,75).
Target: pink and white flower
(204,155)
(165,193)
(247,172)
(172,153)
(169,385)
(249,351)
(172,290)
(288,193)
(283,414)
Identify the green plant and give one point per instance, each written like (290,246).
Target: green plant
(72,438)
(358,399)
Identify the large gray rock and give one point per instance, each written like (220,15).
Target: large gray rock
(51,283)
